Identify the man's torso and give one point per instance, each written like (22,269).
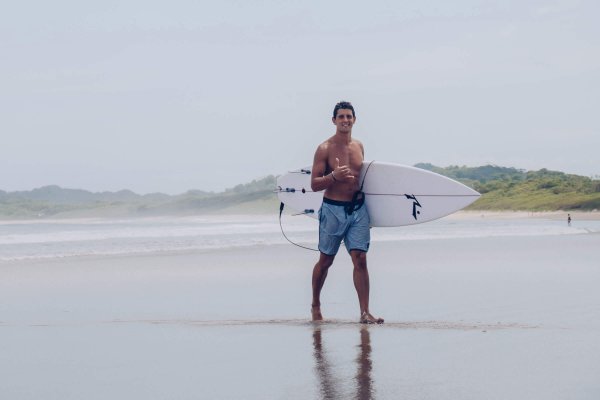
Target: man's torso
(350,154)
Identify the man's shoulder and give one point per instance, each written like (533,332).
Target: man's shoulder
(358,144)
(325,145)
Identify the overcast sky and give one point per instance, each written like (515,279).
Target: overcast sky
(170,96)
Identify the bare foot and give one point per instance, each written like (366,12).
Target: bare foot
(316,313)
(367,318)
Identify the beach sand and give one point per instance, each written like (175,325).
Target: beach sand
(483,318)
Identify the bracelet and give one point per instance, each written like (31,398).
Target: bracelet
(333,176)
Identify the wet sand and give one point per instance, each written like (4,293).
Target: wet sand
(493,318)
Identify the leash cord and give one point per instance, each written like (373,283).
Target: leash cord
(283,233)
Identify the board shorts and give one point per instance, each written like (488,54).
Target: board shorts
(336,224)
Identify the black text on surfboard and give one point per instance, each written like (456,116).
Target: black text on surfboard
(415,205)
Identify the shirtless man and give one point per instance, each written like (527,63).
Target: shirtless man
(336,169)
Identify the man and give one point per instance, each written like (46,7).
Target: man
(336,169)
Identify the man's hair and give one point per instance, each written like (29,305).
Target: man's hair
(343,105)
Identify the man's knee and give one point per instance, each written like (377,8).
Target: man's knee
(359,259)
(326,261)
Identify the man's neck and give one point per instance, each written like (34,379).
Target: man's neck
(342,137)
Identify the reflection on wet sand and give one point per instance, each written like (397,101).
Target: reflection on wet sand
(364,388)
(330,386)
(323,368)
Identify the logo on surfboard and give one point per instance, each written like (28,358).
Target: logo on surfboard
(415,205)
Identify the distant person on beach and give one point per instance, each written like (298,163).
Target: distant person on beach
(336,169)
(569,219)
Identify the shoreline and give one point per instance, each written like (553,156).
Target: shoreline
(250,249)
(551,215)
(463,225)
(462,214)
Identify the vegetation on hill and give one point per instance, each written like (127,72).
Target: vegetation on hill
(53,201)
(513,189)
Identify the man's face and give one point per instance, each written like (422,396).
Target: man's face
(344,120)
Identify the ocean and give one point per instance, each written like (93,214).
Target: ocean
(47,239)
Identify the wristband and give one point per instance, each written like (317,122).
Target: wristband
(333,176)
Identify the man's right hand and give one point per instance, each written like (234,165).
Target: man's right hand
(342,173)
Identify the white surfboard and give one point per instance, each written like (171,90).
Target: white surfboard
(395,195)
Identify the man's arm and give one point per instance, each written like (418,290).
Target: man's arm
(319,182)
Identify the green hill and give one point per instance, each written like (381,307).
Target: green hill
(54,201)
(513,189)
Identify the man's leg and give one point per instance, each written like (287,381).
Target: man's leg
(361,283)
(318,279)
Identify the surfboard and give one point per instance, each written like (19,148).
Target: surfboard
(395,194)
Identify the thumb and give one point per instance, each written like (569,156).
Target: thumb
(337,160)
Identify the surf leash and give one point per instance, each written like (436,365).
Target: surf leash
(358,198)
(281,206)
(365,176)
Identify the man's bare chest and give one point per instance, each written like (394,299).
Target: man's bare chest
(352,158)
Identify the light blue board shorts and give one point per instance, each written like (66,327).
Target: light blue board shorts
(335,224)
